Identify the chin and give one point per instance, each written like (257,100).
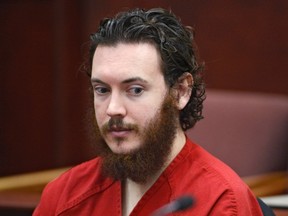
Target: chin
(123,148)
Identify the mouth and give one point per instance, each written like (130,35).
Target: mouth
(119,131)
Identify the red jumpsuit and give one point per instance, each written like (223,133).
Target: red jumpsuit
(217,190)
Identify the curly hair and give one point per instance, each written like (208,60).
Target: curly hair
(173,40)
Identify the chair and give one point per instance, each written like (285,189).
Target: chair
(266,210)
(249,132)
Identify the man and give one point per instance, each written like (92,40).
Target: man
(148,90)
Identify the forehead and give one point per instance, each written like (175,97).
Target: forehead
(125,60)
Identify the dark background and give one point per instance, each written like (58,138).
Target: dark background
(44,98)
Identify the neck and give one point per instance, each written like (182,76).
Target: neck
(178,144)
(133,191)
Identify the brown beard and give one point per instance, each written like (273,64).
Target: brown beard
(157,141)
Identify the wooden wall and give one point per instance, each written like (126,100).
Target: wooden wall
(44,97)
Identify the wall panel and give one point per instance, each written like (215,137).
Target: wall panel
(44,97)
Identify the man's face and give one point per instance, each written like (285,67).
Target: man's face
(129,90)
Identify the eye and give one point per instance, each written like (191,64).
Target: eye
(136,91)
(101,90)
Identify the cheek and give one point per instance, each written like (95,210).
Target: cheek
(99,115)
(146,114)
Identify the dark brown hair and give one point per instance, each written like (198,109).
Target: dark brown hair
(173,40)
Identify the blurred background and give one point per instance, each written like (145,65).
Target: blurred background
(44,97)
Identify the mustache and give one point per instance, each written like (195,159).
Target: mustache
(118,124)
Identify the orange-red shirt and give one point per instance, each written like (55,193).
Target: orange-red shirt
(217,190)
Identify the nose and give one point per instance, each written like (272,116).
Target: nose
(116,106)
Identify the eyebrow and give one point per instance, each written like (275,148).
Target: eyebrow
(133,79)
(95,80)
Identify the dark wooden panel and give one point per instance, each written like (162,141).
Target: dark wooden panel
(44,97)
(42,93)
(71,95)
(243,43)
(26,86)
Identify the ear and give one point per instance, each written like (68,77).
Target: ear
(183,89)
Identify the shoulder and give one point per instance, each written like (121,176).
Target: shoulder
(73,186)
(84,173)
(216,187)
